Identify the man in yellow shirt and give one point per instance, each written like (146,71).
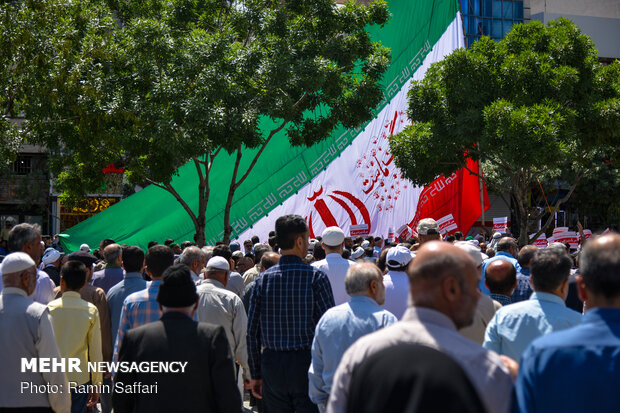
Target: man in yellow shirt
(76,324)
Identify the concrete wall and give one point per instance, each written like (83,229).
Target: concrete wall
(599,19)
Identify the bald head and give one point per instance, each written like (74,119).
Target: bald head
(600,271)
(501,277)
(444,277)
(268,260)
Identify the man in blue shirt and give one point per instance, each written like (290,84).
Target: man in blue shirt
(113,272)
(513,328)
(524,288)
(589,352)
(286,303)
(133,261)
(341,326)
(507,250)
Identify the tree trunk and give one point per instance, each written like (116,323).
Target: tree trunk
(519,194)
(231,194)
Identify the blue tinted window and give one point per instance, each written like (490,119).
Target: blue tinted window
(497,8)
(518,10)
(487,8)
(507,10)
(496,28)
(507,26)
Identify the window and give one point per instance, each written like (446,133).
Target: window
(23,165)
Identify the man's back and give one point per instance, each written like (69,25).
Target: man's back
(289,295)
(396,292)
(206,385)
(108,277)
(340,327)
(221,307)
(78,333)
(335,267)
(514,327)
(434,329)
(31,336)
(116,296)
(139,308)
(584,359)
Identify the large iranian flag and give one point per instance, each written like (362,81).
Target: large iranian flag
(348,180)
(355,183)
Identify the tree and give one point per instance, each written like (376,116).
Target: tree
(152,85)
(534,107)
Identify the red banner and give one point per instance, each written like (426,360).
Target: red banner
(457,194)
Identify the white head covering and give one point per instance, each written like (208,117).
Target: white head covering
(16,262)
(50,256)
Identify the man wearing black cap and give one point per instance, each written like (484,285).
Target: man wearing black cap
(207,383)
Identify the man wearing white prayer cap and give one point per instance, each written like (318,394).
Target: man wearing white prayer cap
(217,305)
(334,265)
(31,337)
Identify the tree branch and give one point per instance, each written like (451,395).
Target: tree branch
(169,188)
(556,207)
(212,157)
(197,163)
(494,185)
(258,154)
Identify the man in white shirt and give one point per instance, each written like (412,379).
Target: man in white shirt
(334,265)
(217,305)
(396,281)
(444,292)
(27,333)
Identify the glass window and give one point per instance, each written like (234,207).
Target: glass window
(496,28)
(507,26)
(487,8)
(465,7)
(22,166)
(507,10)
(497,8)
(485,27)
(518,10)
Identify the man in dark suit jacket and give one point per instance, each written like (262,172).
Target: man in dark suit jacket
(208,382)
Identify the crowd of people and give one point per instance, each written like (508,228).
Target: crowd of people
(292,324)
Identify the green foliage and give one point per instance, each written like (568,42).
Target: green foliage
(533,106)
(149,85)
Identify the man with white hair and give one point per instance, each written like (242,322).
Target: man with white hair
(334,265)
(217,305)
(27,238)
(342,325)
(396,281)
(194,258)
(27,333)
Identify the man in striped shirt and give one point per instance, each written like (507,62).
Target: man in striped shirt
(286,303)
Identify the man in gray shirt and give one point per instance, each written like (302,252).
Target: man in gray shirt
(217,305)
(27,333)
